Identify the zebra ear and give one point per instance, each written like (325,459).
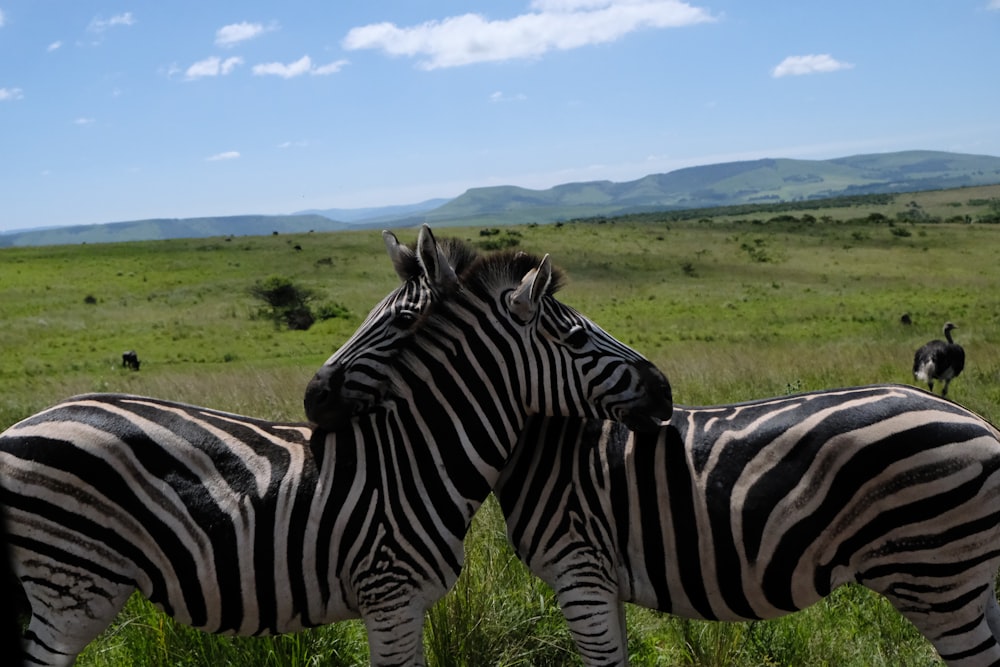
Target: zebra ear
(399,254)
(439,272)
(524,300)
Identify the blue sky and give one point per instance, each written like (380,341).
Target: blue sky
(121,111)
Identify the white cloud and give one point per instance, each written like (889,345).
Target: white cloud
(329,68)
(100,25)
(293,144)
(297,68)
(499,96)
(213,66)
(234,33)
(227,155)
(811,64)
(301,66)
(550,25)
(83,121)
(3,19)
(54,46)
(994,5)
(10,94)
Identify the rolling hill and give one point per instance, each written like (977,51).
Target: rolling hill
(726,184)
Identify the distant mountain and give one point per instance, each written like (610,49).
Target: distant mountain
(731,183)
(173,228)
(726,184)
(384,213)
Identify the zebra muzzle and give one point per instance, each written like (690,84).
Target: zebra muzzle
(324,402)
(656,404)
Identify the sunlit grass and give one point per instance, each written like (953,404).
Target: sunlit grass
(805,307)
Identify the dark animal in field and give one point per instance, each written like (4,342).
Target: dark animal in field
(130,360)
(939,360)
(905,319)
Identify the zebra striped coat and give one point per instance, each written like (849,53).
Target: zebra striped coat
(756,510)
(238,525)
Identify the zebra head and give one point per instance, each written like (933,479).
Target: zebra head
(484,323)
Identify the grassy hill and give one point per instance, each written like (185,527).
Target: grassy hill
(730,184)
(175,228)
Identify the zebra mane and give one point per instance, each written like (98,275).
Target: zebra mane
(459,253)
(506,268)
(484,272)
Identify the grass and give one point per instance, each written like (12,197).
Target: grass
(730,309)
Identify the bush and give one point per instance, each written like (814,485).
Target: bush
(500,242)
(287,302)
(329,311)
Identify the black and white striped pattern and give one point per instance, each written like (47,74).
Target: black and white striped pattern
(483,328)
(237,525)
(756,510)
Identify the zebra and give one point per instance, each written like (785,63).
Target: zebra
(759,509)
(238,525)
(10,629)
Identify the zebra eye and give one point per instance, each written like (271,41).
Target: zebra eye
(404,319)
(577,337)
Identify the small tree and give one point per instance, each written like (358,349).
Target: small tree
(288,302)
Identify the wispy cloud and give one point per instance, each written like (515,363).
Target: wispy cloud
(329,68)
(994,5)
(293,144)
(83,121)
(227,155)
(811,64)
(234,33)
(303,65)
(549,25)
(98,24)
(297,68)
(213,66)
(10,94)
(3,19)
(499,96)
(54,46)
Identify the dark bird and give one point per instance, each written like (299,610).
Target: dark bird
(939,360)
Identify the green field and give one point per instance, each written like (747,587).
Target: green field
(731,307)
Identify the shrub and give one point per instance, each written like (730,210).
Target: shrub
(329,311)
(500,242)
(287,302)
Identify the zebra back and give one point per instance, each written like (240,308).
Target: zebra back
(238,525)
(486,332)
(759,509)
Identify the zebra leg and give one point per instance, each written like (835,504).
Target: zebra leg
(69,608)
(964,636)
(596,619)
(993,616)
(396,635)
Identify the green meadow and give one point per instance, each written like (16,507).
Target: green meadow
(731,305)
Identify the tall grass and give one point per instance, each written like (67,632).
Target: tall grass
(814,306)
(497,613)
